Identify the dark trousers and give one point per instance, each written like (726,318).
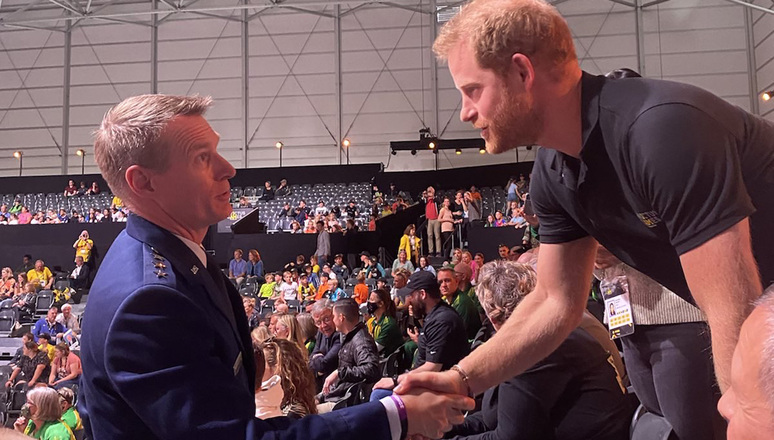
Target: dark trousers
(670,368)
(446,240)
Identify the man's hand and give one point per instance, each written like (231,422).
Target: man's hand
(431,414)
(448,382)
(384,383)
(330,381)
(413,334)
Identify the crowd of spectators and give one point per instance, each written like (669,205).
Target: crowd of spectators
(347,323)
(20,214)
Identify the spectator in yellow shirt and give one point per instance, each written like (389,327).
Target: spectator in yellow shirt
(267,288)
(44,344)
(116,203)
(305,288)
(40,276)
(83,246)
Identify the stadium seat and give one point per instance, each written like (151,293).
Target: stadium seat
(61,285)
(350,398)
(16,399)
(44,300)
(391,365)
(649,426)
(267,307)
(294,305)
(247,291)
(6,320)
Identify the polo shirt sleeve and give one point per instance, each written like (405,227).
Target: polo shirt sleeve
(556,225)
(686,164)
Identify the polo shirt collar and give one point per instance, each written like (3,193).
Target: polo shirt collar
(591,86)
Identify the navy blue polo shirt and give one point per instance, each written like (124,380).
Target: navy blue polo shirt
(442,339)
(664,168)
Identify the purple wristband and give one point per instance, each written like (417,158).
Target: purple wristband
(401,415)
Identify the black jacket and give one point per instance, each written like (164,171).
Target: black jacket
(573,394)
(328,347)
(82,281)
(358,360)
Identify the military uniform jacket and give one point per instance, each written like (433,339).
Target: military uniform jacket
(166,353)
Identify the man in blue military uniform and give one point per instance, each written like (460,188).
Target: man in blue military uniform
(142,376)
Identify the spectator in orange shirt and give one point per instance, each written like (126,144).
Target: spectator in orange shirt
(361,290)
(323,289)
(474,194)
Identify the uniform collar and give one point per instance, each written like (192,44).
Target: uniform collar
(197,249)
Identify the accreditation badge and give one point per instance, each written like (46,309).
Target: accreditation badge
(618,307)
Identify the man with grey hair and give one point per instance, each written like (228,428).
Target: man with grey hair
(67,319)
(325,356)
(156,283)
(575,380)
(748,404)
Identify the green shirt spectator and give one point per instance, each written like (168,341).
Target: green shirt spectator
(72,419)
(51,430)
(471,292)
(386,333)
(466,308)
(267,290)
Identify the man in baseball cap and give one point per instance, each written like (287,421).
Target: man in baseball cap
(435,326)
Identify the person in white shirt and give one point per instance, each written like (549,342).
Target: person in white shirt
(67,319)
(79,277)
(321,209)
(289,288)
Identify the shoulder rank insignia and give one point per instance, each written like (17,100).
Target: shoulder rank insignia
(161,274)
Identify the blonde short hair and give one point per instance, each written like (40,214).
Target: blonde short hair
(496,29)
(502,285)
(294,331)
(130,134)
(260,334)
(47,401)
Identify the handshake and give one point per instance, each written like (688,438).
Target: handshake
(435,402)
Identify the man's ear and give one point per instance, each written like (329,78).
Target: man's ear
(521,71)
(139,180)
